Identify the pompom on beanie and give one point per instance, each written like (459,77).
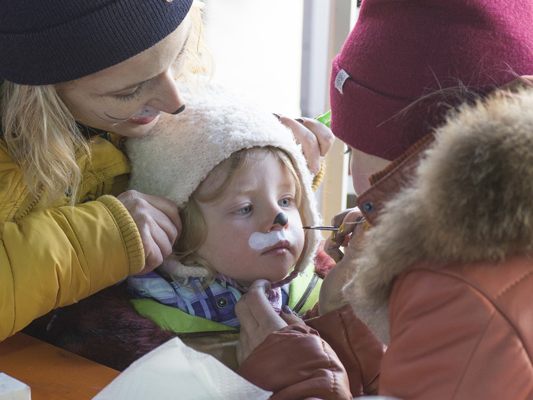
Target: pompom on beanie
(401,51)
(183,149)
(50,41)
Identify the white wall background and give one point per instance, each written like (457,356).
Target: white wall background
(256,47)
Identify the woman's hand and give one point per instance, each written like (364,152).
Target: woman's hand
(257,317)
(350,234)
(315,137)
(348,222)
(158,222)
(331,297)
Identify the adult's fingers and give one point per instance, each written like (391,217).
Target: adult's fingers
(339,218)
(348,222)
(146,215)
(322,133)
(163,245)
(257,301)
(258,318)
(166,206)
(256,310)
(308,141)
(245,316)
(291,318)
(260,284)
(243,347)
(158,231)
(351,222)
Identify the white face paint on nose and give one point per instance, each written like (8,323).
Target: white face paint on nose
(260,241)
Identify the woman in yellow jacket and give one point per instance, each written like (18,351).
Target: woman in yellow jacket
(71,72)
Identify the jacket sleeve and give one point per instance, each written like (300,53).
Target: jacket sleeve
(439,327)
(295,363)
(357,348)
(57,256)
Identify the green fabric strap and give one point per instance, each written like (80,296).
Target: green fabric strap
(298,288)
(174,320)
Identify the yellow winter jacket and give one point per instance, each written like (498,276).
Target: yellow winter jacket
(54,256)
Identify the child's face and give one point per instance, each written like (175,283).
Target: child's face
(243,242)
(362,166)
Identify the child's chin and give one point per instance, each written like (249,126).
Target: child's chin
(275,273)
(278,277)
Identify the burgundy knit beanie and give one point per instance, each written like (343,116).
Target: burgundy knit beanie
(50,41)
(401,51)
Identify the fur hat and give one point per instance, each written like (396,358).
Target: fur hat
(46,42)
(179,153)
(399,52)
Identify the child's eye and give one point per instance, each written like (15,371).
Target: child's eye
(247,209)
(286,202)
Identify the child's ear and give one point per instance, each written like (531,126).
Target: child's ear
(176,270)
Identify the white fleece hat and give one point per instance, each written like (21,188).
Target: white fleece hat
(183,149)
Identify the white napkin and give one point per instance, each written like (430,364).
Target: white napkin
(176,371)
(13,389)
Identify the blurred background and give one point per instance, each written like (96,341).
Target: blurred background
(278,53)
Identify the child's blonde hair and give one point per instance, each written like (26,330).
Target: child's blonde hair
(194,226)
(42,136)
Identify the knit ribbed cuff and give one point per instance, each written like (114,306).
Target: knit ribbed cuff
(129,231)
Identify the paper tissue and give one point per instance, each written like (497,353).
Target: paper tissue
(13,389)
(176,371)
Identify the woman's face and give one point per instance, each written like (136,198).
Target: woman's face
(362,166)
(127,98)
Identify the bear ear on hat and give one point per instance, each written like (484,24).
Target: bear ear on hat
(392,80)
(52,41)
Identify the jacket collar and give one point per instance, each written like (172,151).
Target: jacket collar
(389,181)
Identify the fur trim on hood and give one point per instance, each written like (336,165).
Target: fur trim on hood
(471,199)
(183,149)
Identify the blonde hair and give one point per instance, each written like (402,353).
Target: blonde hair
(42,136)
(194,227)
(197,58)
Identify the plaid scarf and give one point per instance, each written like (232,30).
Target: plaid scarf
(214,301)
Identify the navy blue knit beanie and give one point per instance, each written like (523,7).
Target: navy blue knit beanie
(50,41)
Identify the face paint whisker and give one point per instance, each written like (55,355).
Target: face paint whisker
(115,118)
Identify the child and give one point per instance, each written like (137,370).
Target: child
(244,192)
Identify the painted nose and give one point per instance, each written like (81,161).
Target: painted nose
(182,108)
(281,219)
